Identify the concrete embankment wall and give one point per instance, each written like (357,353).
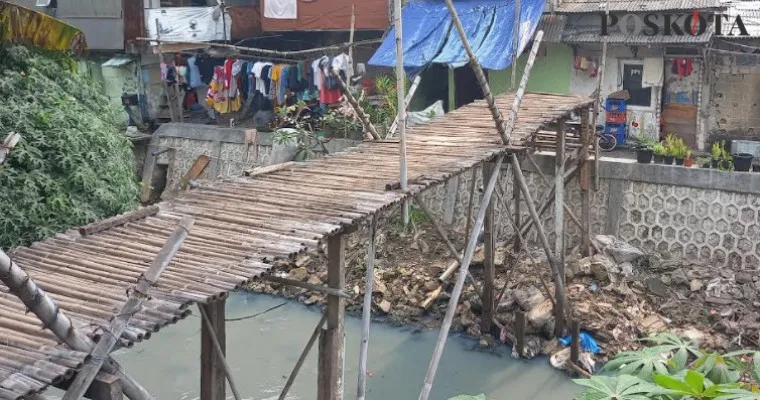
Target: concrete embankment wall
(700,214)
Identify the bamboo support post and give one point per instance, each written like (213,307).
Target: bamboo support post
(212,332)
(350,73)
(523,83)
(361,388)
(132,306)
(441,232)
(471,202)
(558,279)
(408,100)
(515,44)
(302,357)
(400,105)
(567,208)
(45,308)
(584,178)
(166,85)
(575,343)
(547,201)
(371,132)
(331,346)
(559,226)
(517,211)
(305,285)
(598,99)
(489,262)
(457,292)
(498,118)
(520,333)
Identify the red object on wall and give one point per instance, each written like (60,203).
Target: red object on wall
(324,15)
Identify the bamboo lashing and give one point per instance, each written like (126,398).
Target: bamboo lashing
(371,132)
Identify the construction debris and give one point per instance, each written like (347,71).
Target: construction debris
(618,296)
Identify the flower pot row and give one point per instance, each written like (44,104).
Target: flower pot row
(646,156)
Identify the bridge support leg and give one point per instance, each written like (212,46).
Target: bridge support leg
(489,273)
(213,383)
(331,342)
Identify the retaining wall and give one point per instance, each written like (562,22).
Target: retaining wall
(700,214)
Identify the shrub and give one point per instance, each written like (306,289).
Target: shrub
(73,165)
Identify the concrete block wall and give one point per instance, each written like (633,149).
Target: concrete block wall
(734,108)
(699,214)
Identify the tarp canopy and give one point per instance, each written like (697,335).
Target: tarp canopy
(22,25)
(429,35)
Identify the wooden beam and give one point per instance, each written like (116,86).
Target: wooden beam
(584,180)
(270,168)
(575,343)
(361,389)
(103,387)
(520,333)
(457,291)
(333,351)
(517,211)
(214,330)
(305,285)
(559,226)
(302,357)
(471,201)
(132,306)
(118,220)
(213,333)
(489,264)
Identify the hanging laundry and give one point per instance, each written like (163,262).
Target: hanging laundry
(218,95)
(653,71)
(281,9)
(682,67)
(195,73)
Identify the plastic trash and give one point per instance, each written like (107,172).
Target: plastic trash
(587,343)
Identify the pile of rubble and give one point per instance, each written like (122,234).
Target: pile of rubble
(619,295)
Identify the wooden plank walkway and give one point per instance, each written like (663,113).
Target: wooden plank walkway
(241,226)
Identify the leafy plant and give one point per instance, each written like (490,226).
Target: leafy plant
(675,146)
(675,369)
(74,165)
(717,150)
(659,149)
(338,122)
(646,142)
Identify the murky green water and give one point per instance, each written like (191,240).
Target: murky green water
(263,350)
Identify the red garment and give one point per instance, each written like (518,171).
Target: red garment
(328,96)
(683,66)
(228,72)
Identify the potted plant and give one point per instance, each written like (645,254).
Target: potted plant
(717,152)
(644,149)
(704,162)
(688,161)
(670,149)
(680,151)
(755,167)
(743,161)
(659,153)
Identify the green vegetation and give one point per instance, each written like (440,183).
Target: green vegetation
(73,165)
(676,369)
(721,156)
(676,147)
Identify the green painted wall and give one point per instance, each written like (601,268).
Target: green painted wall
(551,71)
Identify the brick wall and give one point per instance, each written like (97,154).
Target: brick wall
(734,108)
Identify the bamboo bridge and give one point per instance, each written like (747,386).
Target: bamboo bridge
(240,227)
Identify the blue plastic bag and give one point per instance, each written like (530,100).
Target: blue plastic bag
(587,343)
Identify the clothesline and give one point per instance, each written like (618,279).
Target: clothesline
(274,53)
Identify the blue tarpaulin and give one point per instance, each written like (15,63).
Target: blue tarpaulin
(430,37)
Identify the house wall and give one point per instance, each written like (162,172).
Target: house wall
(641,120)
(550,74)
(734,107)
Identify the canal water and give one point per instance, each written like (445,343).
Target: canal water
(263,350)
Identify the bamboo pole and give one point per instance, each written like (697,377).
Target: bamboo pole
(471,201)
(401,106)
(518,212)
(457,292)
(559,225)
(407,101)
(515,44)
(498,118)
(558,280)
(44,307)
(302,357)
(523,83)
(166,85)
(305,285)
(584,178)
(598,99)
(371,132)
(547,201)
(137,296)
(367,311)
(265,52)
(489,261)
(438,228)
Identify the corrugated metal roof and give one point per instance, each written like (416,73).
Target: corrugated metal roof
(553,27)
(587,6)
(592,34)
(119,60)
(750,13)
